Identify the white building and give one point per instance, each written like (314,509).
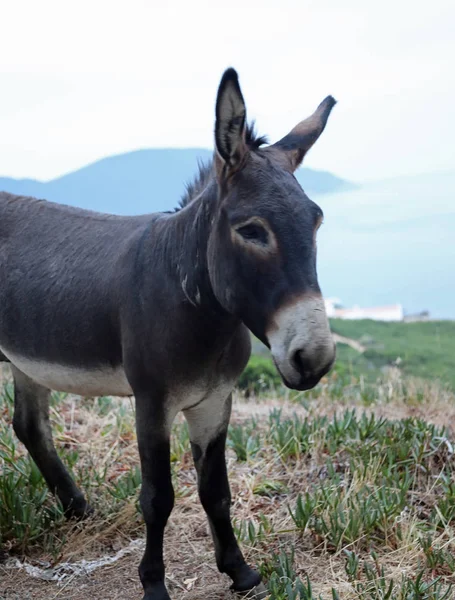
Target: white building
(334,310)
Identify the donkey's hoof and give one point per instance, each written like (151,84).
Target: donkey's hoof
(259,592)
(159,593)
(247,582)
(79,511)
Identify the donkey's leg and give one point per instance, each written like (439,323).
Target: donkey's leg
(32,426)
(157,493)
(208,424)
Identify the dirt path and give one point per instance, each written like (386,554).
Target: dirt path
(339,339)
(120,580)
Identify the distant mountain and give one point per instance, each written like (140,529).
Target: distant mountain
(25,187)
(142,181)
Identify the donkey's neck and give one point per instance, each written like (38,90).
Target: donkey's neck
(191,229)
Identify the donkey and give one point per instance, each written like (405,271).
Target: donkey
(160,306)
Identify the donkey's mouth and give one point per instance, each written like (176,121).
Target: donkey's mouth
(292,379)
(303,385)
(295,380)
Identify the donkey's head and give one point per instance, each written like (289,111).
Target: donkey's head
(262,246)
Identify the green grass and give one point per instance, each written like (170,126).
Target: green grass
(388,487)
(424,350)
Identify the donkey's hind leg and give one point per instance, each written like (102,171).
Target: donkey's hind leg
(32,426)
(208,423)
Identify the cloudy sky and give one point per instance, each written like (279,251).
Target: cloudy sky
(86,79)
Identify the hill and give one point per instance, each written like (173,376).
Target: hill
(142,181)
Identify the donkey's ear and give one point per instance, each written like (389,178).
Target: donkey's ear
(297,142)
(230,122)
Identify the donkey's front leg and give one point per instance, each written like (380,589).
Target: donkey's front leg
(208,424)
(157,494)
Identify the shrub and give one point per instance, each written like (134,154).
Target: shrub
(260,375)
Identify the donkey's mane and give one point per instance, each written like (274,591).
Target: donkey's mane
(205,168)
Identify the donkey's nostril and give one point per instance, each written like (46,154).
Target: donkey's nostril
(297,361)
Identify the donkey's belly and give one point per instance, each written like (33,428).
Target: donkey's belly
(101,381)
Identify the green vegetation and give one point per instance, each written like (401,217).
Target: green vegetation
(260,375)
(422,349)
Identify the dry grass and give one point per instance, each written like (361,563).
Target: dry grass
(98,437)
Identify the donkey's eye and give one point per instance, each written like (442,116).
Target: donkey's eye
(254,233)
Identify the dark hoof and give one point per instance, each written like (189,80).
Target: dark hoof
(245,581)
(79,511)
(160,593)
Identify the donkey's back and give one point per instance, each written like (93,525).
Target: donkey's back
(63,274)
(52,225)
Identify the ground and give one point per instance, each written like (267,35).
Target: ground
(347,489)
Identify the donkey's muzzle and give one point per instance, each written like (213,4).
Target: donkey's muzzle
(309,372)
(301,343)
(302,369)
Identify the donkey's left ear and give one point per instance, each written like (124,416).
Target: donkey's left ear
(230,123)
(299,140)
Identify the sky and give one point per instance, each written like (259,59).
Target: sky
(87,79)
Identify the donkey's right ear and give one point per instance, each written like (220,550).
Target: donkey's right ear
(230,124)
